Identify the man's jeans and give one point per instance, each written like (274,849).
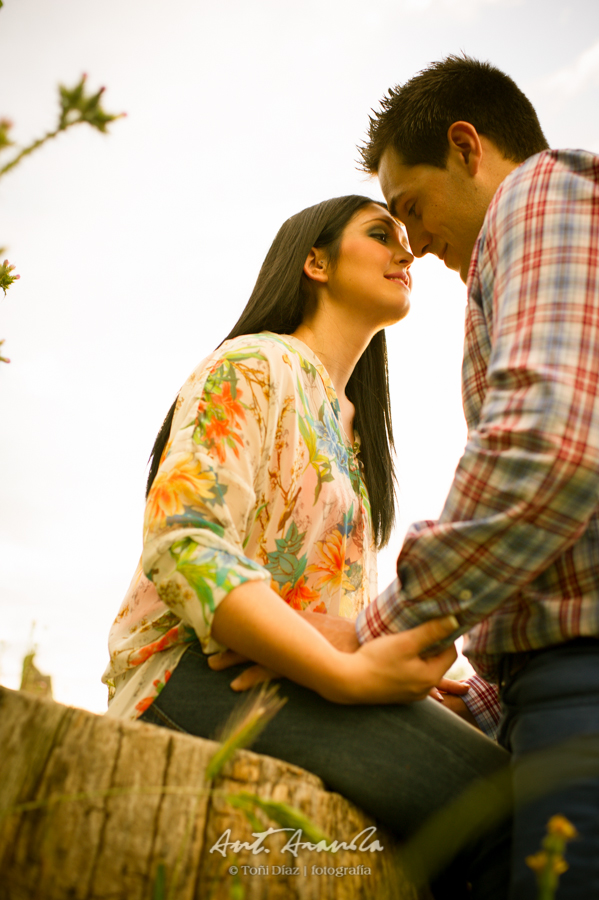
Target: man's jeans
(551,725)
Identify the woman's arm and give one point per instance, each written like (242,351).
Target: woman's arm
(253,620)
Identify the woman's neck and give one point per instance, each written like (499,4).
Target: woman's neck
(336,345)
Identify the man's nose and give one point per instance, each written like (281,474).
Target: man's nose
(420,240)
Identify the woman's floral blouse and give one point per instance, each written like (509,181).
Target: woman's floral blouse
(258,481)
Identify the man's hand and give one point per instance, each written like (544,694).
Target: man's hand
(396,668)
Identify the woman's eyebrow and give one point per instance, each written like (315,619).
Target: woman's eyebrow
(384,219)
(390,222)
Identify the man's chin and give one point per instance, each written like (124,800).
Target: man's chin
(452,263)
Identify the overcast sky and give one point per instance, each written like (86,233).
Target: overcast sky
(138,250)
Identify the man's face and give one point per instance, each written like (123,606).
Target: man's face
(442,209)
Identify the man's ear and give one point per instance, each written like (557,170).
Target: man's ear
(315,266)
(465,145)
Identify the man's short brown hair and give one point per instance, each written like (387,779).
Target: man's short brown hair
(414,118)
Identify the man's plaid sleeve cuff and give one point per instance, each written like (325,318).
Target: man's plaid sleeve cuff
(377,618)
(483,702)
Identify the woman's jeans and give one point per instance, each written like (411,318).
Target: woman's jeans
(398,763)
(551,724)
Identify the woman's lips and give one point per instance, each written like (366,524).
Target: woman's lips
(399,276)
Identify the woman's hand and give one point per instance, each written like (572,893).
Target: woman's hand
(249,678)
(449,686)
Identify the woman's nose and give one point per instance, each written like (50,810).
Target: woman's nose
(404,255)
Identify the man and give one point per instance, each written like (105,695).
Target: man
(463,163)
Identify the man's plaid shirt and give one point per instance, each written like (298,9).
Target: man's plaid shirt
(515,553)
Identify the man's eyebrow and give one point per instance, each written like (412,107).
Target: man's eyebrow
(394,203)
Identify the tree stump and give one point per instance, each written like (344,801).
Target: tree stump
(92,808)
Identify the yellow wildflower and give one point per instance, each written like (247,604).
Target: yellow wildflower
(561,827)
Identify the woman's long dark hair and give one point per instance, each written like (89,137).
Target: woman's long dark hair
(277,304)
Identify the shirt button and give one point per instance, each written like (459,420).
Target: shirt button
(465,595)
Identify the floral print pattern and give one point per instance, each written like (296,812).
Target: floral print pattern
(258,481)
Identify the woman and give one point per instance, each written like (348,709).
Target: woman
(276,482)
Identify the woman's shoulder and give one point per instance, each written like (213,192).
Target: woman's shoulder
(279,359)
(264,352)
(283,354)
(270,345)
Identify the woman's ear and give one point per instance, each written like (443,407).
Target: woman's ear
(315,266)
(465,144)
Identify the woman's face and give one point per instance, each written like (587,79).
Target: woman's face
(371,277)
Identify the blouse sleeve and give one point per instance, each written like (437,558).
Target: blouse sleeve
(201,504)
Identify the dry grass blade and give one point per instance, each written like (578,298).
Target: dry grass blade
(281,813)
(245,724)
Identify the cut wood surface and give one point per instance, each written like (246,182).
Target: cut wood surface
(92,808)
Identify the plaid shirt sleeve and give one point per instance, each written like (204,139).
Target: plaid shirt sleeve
(527,485)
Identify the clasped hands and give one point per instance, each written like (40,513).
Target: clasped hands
(424,674)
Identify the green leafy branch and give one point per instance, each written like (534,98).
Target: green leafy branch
(76,107)
(6,279)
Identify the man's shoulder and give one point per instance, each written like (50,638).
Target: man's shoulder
(546,191)
(537,187)
(546,170)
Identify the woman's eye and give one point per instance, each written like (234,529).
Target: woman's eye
(380,236)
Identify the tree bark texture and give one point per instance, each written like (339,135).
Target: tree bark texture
(92,808)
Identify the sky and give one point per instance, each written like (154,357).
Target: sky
(137,250)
